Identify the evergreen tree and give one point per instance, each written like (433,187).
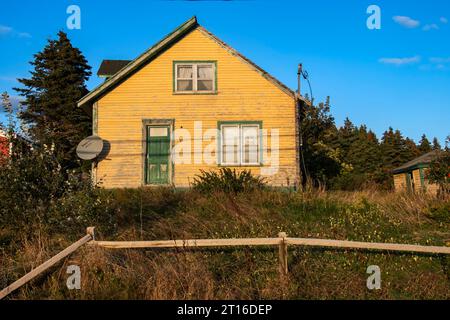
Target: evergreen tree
(424,145)
(364,153)
(436,144)
(57,82)
(348,134)
(411,150)
(318,131)
(393,149)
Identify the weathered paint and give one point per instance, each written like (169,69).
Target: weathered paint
(431,188)
(243,94)
(416,180)
(400,182)
(419,180)
(422,180)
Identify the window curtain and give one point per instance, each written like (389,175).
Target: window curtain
(250,144)
(205,72)
(185,72)
(230,144)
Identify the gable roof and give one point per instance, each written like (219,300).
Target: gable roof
(161,46)
(423,159)
(109,68)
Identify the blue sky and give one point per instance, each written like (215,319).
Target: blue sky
(397,76)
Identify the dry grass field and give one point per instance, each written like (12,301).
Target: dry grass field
(240,273)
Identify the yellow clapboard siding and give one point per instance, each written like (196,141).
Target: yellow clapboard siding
(242,95)
(416,180)
(400,182)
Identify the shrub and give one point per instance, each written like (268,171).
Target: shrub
(439,211)
(439,171)
(228,181)
(31,181)
(88,206)
(348,182)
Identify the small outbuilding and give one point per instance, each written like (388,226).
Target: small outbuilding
(412,176)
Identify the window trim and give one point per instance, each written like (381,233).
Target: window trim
(220,162)
(194,78)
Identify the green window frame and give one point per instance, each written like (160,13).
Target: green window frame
(240,125)
(195,64)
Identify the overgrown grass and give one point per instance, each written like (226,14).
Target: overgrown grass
(244,273)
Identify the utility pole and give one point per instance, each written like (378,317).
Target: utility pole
(299,121)
(299,74)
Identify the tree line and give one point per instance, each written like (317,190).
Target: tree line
(350,157)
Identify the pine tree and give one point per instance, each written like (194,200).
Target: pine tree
(436,144)
(57,82)
(411,150)
(392,148)
(318,132)
(348,134)
(424,145)
(364,154)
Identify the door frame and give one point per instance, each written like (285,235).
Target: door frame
(157,123)
(410,182)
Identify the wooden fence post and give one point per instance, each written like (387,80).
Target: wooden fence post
(91,231)
(283,253)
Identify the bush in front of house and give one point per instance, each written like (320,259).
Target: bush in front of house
(36,190)
(228,181)
(28,182)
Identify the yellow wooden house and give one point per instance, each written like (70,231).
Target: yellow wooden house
(192,102)
(412,176)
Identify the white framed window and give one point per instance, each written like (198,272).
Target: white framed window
(240,144)
(198,77)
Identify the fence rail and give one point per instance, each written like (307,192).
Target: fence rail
(310,242)
(47,264)
(187,243)
(282,242)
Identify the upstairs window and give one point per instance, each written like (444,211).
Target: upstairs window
(198,77)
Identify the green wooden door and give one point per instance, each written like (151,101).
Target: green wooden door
(158,155)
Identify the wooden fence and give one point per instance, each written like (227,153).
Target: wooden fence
(47,264)
(282,241)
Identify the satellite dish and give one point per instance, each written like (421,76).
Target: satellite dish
(90,147)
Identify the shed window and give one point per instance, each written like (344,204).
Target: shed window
(240,144)
(195,77)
